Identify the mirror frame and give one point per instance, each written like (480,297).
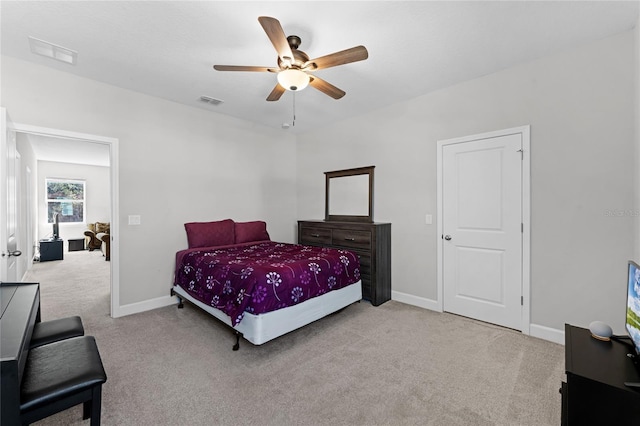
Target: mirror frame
(343,173)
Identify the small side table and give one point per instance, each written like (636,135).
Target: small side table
(51,250)
(76,244)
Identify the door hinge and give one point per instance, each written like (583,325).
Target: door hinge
(521,300)
(521,151)
(521,228)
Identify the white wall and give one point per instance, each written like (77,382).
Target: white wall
(97,196)
(637,115)
(177,164)
(580,106)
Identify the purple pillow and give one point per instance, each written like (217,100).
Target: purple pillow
(209,234)
(251,231)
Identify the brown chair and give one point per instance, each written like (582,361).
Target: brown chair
(105,245)
(98,237)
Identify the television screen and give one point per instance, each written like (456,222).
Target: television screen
(56,228)
(632,322)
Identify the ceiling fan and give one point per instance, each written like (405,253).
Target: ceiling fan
(294,66)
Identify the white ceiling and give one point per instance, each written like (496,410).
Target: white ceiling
(167,48)
(47,148)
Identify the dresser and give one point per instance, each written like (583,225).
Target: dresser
(372,243)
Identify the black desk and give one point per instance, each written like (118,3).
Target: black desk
(20,304)
(51,250)
(594,393)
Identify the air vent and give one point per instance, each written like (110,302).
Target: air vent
(53,51)
(210,100)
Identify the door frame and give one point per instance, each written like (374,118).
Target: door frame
(5,130)
(21,266)
(115,208)
(525,132)
(28,215)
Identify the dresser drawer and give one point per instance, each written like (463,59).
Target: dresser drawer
(310,235)
(365,261)
(366,290)
(365,265)
(366,279)
(354,239)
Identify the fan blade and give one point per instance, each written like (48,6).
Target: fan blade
(326,88)
(243,68)
(355,54)
(276,93)
(275,33)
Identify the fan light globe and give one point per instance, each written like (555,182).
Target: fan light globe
(293,79)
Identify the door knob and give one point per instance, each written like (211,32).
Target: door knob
(447,237)
(15,253)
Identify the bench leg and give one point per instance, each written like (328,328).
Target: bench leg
(91,409)
(96,406)
(86,409)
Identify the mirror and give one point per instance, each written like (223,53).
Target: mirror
(349,195)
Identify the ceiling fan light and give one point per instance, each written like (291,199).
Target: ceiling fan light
(293,79)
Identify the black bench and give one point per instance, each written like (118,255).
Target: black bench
(55,330)
(60,375)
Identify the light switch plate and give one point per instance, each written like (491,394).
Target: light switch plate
(428,219)
(134,219)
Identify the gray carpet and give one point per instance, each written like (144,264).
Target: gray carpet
(389,365)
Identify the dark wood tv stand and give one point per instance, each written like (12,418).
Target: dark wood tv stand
(51,249)
(595,393)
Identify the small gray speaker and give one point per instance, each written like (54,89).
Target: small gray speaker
(600,330)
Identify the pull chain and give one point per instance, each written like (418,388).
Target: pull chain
(294,108)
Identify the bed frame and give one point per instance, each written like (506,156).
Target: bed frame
(261,328)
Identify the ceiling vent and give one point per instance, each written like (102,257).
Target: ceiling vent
(53,51)
(210,100)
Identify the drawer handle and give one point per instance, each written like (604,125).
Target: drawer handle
(315,235)
(349,239)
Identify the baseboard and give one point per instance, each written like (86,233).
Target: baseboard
(535,330)
(547,333)
(147,305)
(420,302)
(539,331)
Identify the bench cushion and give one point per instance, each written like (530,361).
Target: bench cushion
(60,369)
(55,330)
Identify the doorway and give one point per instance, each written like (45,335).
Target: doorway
(112,144)
(483,227)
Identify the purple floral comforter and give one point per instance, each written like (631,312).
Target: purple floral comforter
(263,277)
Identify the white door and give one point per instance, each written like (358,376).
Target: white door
(482,229)
(8,201)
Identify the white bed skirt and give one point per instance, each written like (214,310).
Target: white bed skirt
(261,328)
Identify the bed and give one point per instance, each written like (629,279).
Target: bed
(261,288)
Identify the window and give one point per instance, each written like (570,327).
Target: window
(66,197)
